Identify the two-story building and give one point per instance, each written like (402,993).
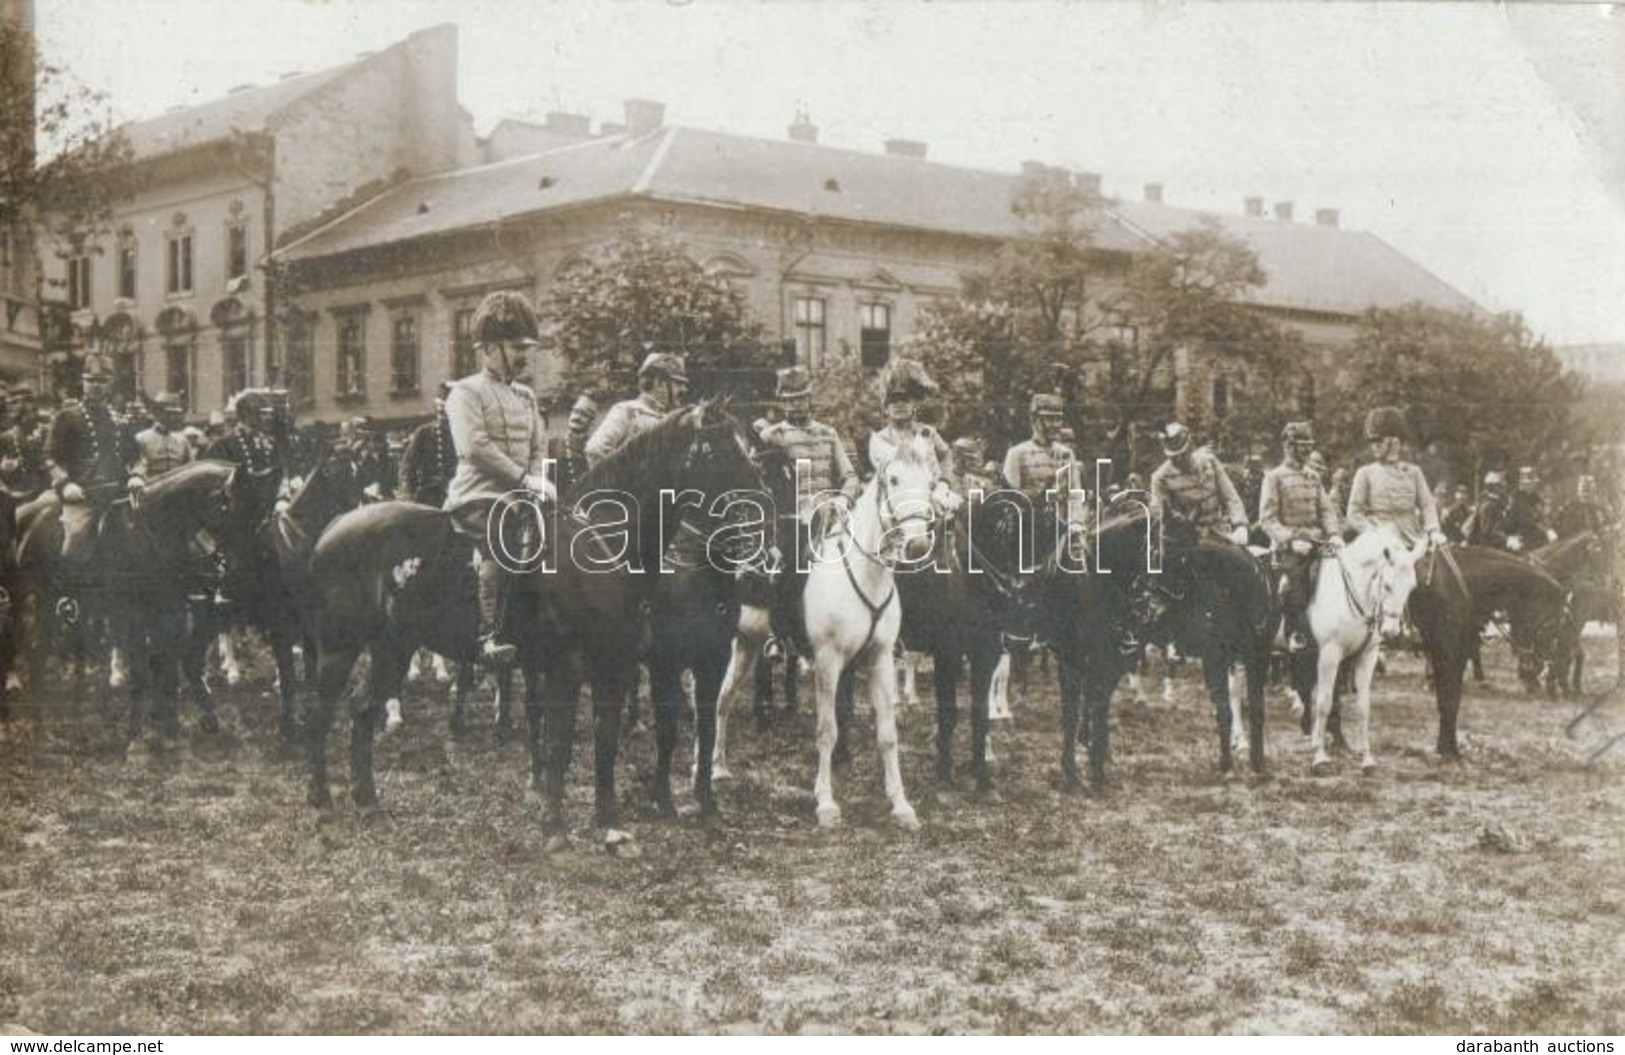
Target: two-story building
(176,298)
(19,268)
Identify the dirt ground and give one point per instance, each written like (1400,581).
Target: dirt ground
(190,889)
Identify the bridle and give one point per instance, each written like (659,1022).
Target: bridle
(1376,591)
(887,560)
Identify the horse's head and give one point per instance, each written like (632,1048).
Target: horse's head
(1391,560)
(903,501)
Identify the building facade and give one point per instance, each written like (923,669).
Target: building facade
(176,297)
(20,320)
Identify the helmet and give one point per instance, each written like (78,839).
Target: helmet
(793,383)
(1384,422)
(1046,404)
(1176,438)
(252,401)
(906,380)
(505,316)
(663,364)
(1494,479)
(1298,432)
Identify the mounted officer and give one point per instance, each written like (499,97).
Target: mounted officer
(814,448)
(1297,515)
(1526,514)
(89,456)
(906,385)
(1454,521)
(1194,485)
(161,446)
(1040,467)
(249,445)
(571,452)
(972,471)
(430,459)
(22,447)
(1390,490)
(497,432)
(1585,512)
(1487,525)
(662,388)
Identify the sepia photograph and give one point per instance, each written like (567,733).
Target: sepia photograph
(878,517)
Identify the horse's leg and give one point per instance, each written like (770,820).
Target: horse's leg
(762,704)
(792,680)
(606,746)
(1216,672)
(1331,658)
(501,701)
(332,673)
(169,643)
(909,693)
(1447,692)
(945,678)
(827,666)
(745,665)
(845,711)
(389,664)
(1257,666)
(665,686)
(1098,689)
(1365,668)
(287,686)
(708,674)
(983,663)
(228,658)
(1070,680)
(883,697)
(998,703)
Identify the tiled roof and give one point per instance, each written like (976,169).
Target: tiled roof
(1312,267)
(248,110)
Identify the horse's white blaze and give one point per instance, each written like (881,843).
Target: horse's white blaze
(1380,570)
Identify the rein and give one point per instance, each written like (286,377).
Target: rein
(1378,589)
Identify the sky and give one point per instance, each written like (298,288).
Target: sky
(1486,141)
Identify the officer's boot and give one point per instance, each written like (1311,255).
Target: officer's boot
(500,653)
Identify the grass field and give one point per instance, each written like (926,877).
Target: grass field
(190,889)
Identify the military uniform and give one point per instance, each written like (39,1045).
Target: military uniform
(22,446)
(1202,494)
(827,467)
(623,422)
(497,433)
(1296,513)
(428,464)
(883,445)
(88,447)
(1487,525)
(1033,468)
(160,452)
(1392,493)
(1526,520)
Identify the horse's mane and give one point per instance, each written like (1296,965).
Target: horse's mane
(204,472)
(645,451)
(1366,544)
(1559,553)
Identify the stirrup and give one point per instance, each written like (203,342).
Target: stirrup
(501,653)
(67,610)
(773,649)
(1297,642)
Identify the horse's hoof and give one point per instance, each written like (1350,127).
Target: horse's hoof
(721,772)
(829,816)
(906,818)
(118,679)
(555,843)
(364,795)
(1368,767)
(665,805)
(1320,767)
(620,843)
(234,677)
(320,799)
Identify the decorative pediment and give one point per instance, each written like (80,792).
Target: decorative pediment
(175,321)
(230,312)
(730,265)
(879,278)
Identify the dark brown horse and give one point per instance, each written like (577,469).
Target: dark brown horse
(1589,564)
(1459,590)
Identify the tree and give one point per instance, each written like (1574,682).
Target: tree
(1484,388)
(641,293)
(87,171)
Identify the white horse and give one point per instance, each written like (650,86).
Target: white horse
(853,616)
(1359,600)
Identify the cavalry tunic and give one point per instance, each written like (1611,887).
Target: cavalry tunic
(1392,493)
(624,421)
(883,445)
(1292,505)
(497,432)
(428,464)
(829,468)
(89,446)
(1202,495)
(248,448)
(161,452)
(27,446)
(1033,468)
(1526,518)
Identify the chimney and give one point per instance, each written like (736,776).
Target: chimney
(1283,211)
(644,116)
(1153,192)
(578,125)
(1254,206)
(1088,182)
(1326,217)
(802,130)
(905,148)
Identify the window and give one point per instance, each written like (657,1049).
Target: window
(352,358)
(297,372)
(810,330)
(78,282)
(178,372)
(236,349)
(236,250)
(126,270)
(179,274)
(403,354)
(462,343)
(874,334)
